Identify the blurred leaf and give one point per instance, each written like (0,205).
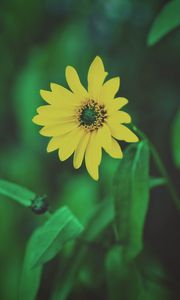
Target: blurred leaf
(30,277)
(123,279)
(102,216)
(157,284)
(11,271)
(16,192)
(143,278)
(176,139)
(108,168)
(26,96)
(43,245)
(17,13)
(61,227)
(8,219)
(156,181)
(9,260)
(16,163)
(132,197)
(80,194)
(91,274)
(167,20)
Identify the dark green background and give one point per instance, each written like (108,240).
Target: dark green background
(38,39)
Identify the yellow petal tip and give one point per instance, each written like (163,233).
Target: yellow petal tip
(135,140)
(34,120)
(96,178)
(52,85)
(42,92)
(69,69)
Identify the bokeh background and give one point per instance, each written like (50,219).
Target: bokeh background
(38,39)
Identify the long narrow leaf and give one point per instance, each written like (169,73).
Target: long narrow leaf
(16,192)
(30,278)
(100,219)
(132,198)
(49,239)
(167,20)
(176,140)
(44,244)
(123,279)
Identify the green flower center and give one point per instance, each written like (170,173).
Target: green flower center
(88,116)
(91,115)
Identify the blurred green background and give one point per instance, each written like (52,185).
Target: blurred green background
(38,39)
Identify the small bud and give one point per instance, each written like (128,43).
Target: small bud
(39,205)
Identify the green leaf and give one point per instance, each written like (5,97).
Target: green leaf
(76,192)
(176,139)
(49,238)
(102,216)
(16,192)
(141,279)
(123,279)
(156,181)
(43,245)
(30,278)
(155,278)
(132,197)
(167,20)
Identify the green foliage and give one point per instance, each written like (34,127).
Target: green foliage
(28,84)
(30,277)
(61,227)
(141,279)
(99,221)
(175,139)
(16,192)
(44,244)
(102,216)
(81,196)
(39,39)
(123,279)
(166,21)
(132,198)
(156,181)
(156,284)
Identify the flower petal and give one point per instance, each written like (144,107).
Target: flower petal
(119,117)
(115,149)
(93,156)
(58,129)
(53,143)
(48,115)
(109,90)
(69,143)
(50,111)
(121,132)
(104,136)
(61,97)
(53,119)
(74,82)
(80,150)
(116,104)
(96,76)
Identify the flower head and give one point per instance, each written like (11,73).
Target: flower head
(83,122)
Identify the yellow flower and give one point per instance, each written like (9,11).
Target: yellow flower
(83,121)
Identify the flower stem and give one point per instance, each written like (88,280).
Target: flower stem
(162,169)
(164,173)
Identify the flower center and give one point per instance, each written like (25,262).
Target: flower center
(88,116)
(91,115)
